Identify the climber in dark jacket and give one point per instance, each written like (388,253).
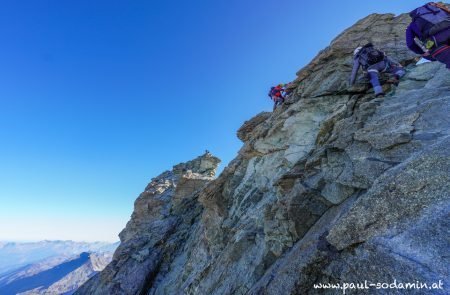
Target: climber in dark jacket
(433,47)
(374,62)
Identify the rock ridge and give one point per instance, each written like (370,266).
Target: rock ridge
(335,186)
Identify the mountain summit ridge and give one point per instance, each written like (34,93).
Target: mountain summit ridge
(335,186)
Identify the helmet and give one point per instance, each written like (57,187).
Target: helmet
(357,50)
(281,85)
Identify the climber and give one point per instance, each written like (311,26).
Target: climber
(374,62)
(428,34)
(276,94)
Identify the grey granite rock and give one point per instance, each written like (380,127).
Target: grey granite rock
(334,186)
(160,224)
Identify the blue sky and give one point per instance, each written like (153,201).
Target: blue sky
(97,97)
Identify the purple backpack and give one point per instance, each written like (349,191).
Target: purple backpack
(369,55)
(431,19)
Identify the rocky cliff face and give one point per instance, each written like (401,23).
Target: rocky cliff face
(164,216)
(335,186)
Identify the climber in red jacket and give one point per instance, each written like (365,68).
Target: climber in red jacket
(276,93)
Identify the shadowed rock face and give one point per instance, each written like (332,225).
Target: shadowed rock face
(334,186)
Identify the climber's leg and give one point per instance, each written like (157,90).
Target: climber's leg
(398,73)
(375,81)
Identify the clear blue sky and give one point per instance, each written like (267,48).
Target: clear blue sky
(97,97)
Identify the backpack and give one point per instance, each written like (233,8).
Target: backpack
(271,91)
(275,91)
(431,19)
(369,55)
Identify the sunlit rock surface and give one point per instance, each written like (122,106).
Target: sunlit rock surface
(334,186)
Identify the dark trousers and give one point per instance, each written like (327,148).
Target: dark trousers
(383,67)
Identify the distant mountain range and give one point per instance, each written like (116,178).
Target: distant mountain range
(14,255)
(50,267)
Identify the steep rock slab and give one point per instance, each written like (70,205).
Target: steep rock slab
(296,167)
(396,226)
(266,200)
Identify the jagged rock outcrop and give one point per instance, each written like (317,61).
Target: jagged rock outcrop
(162,221)
(334,186)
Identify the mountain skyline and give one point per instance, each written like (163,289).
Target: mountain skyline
(14,255)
